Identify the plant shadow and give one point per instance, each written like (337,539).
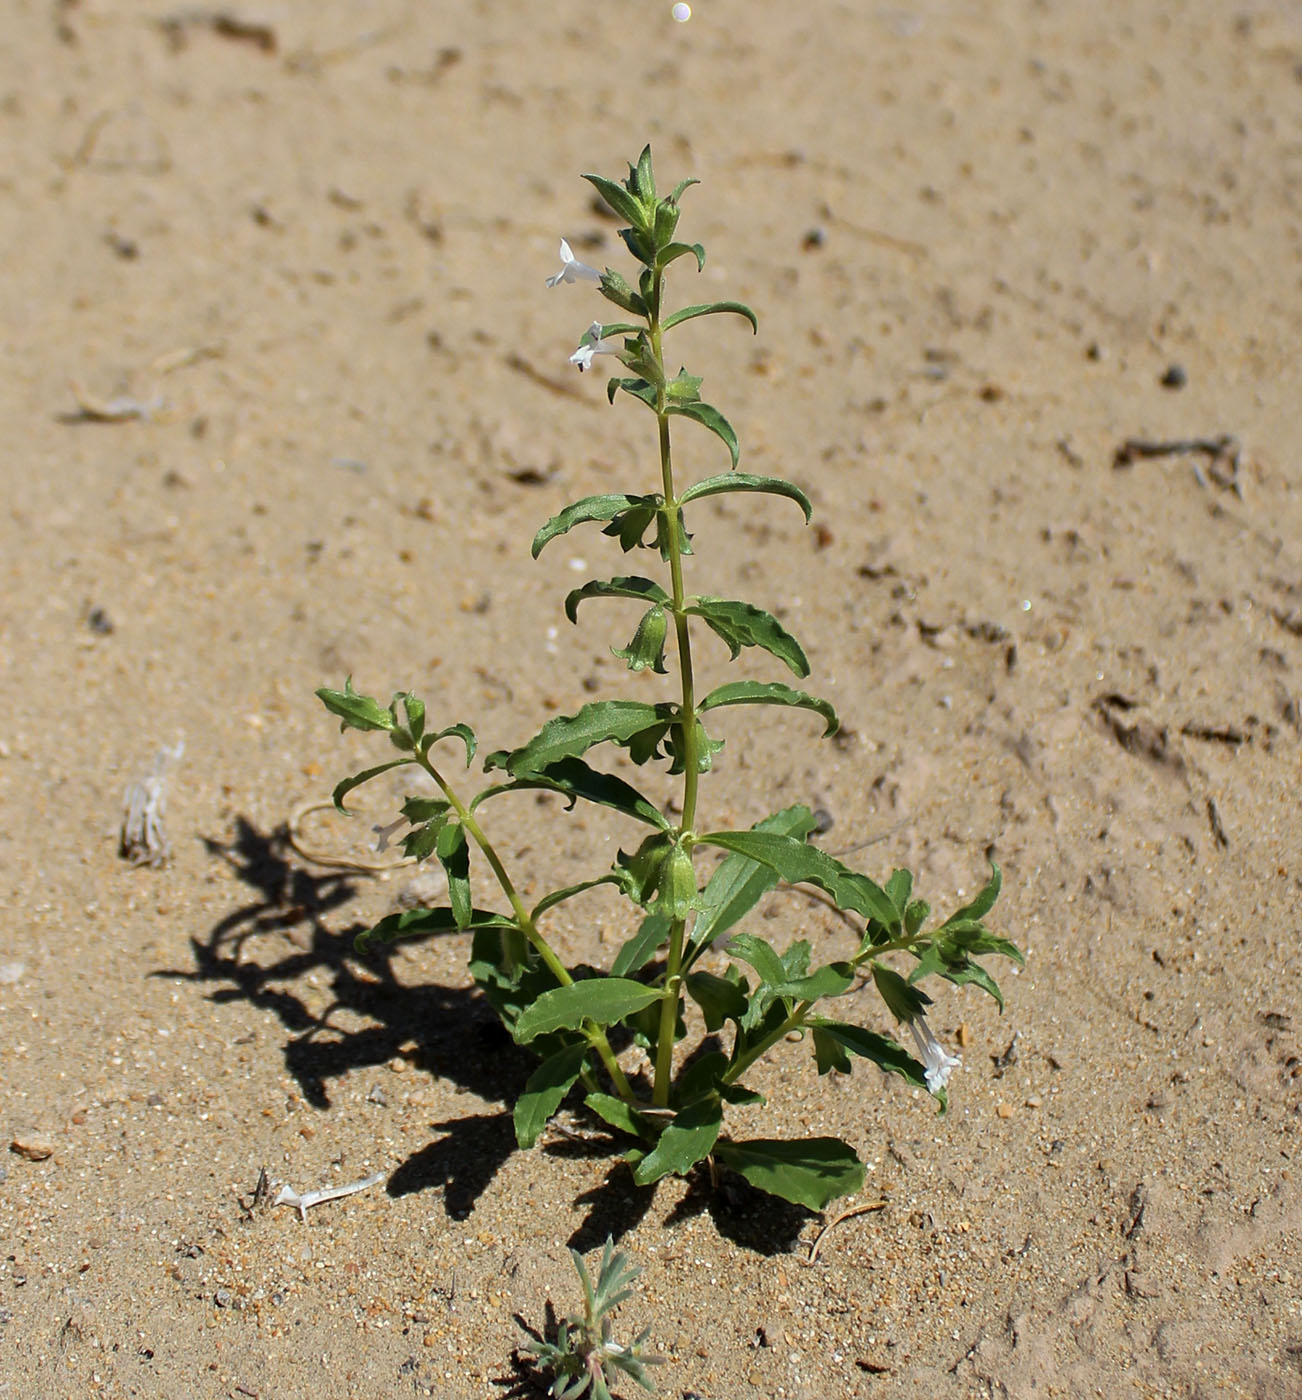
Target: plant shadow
(296,925)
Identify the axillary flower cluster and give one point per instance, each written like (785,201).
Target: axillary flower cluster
(614,1038)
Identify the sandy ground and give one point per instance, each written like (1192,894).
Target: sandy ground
(989,242)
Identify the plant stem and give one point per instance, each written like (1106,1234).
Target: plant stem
(687,752)
(762,1047)
(595,1035)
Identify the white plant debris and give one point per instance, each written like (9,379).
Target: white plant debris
(143,840)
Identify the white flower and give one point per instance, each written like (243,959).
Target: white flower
(572,269)
(382,833)
(593,345)
(937,1060)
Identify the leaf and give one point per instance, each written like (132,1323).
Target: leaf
(960,972)
(642,178)
(615,288)
(601,1000)
(356,711)
(720,998)
(423,809)
(904,1002)
(421,840)
(569,736)
(899,888)
(414,710)
(617,1113)
(888,1055)
(453,851)
(810,1173)
(646,647)
(641,389)
(683,388)
(700,1079)
(640,244)
(686,1139)
(630,525)
(344,788)
(983,903)
(711,308)
(681,186)
(761,955)
(550,901)
(710,417)
(626,586)
(740,883)
(575,779)
(422,923)
(671,252)
(619,199)
(770,693)
(547,1086)
(453,731)
(744,625)
(746,481)
(652,934)
(797,862)
(831,980)
(589,508)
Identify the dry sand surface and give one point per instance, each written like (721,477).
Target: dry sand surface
(989,243)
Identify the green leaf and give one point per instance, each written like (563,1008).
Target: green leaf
(685,1141)
(769,693)
(646,648)
(744,625)
(641,178)
(652,934)
(615,288)
(344,788)
(453,731)
(831,980)
(550,901)
(899,889)
(711,418)
(422,923)
(797,862)
(619,199)
(700,1079)
(356,711)
(671,252)
(617,1113)
(720,998)
(982,904)
(810,1173)
(761,955)
(625,586)
(640,389)
(423,809)
(740,883)
(905,1002)
(601,1000)
(414,710)
(960,972)
(663,225)
(547,1086)
(575,779)
(747,481)
(640,244)
(569,736)
(711,308)
(831,1037)
(630,525)
(683,388)
(421,840)
(589,508)
(681,186)
(453,851)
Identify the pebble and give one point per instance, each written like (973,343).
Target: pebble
(1005,1110)
(1176,377)
(34,1146)
(11,972)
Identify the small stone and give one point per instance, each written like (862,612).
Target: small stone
(1176,377)
(1005,1110)
(222,1297)
(36,1147)
(964,1036)
(429,1340)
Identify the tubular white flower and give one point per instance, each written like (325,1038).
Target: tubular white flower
(593,345)
(937,1061)
(572,269)
(382,833)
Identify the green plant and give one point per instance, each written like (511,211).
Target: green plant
(759,997)
(584,1353)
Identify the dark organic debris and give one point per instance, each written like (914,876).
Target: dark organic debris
(1222,455)
(1144,738)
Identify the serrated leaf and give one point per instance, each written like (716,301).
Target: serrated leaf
(652,934)
(423,923)
(762,956)
(899,889)
(619,199)
(646,647)
(739,625)
(748,481)
(343,788)
(709,308)
(685,1141)
(740,883)
(811,1172)
(931,962)
(887,1054)
(575,779)
(671,252)
(601,1000)
(624,586)
(453,851)
(769,693)
(546,1087)
(606,507)
(797,862)
(356,711)
(719,998)
(710,417)
(569,736)
(418,843)
(831,980)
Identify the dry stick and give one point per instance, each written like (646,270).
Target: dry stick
(365,867)
(836,1220)
(289,1197)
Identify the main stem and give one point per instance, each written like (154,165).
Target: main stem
(687,751)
